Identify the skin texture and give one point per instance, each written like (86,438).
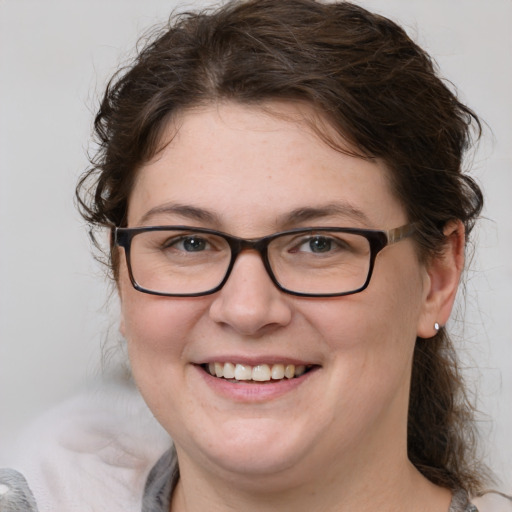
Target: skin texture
(337,439)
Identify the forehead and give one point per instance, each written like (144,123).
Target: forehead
(255,165)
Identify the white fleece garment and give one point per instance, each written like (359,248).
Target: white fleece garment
(92,453)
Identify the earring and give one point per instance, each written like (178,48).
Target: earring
(436,327)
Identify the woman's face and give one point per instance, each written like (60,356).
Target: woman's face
(240,170)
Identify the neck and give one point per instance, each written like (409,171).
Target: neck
(394,487)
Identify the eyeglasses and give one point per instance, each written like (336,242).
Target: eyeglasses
(184,261)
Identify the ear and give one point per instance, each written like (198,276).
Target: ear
(120,263)
(122,329)
(443,276)
(122,326)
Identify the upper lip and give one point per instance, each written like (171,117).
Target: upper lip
(255,361)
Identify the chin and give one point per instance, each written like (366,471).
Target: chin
(254,452)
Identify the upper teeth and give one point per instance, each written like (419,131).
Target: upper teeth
(260,372)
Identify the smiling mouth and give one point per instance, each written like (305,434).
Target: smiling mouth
(260,373)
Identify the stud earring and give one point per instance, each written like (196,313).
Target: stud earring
(436,327)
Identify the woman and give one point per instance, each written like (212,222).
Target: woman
(288,216)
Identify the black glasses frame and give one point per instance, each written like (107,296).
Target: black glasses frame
(378,240)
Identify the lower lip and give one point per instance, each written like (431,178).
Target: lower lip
(253,392)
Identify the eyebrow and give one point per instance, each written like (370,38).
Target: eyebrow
(289,219)
(183,210)
(301,215)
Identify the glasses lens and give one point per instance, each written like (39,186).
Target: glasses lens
(178,262)
(320,262)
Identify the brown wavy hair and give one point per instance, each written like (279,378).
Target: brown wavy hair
(376,87)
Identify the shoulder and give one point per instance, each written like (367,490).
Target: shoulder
(93,452)
(15,494)
(493,501)
(161,482)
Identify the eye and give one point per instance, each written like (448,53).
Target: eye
(318,244)
(191,243)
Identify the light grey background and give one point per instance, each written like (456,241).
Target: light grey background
(54,59)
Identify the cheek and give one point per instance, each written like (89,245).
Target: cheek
(157,323)
(155,328)
(370,320)
(373,333)
(158,332)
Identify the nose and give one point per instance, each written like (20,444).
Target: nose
(249,302)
